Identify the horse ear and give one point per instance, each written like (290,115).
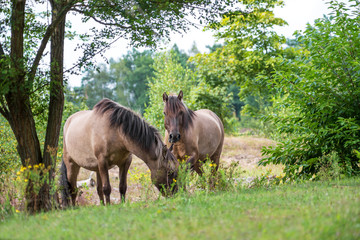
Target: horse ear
(181,94)
(165,97)
(164,151)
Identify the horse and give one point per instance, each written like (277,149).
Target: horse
(194,136)
(107,136)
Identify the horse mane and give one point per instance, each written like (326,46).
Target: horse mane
(173,105)
(131,124)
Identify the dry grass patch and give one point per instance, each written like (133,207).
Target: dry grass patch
(246,150)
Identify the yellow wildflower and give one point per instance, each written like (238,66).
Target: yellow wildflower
(29,166)
(174,179)
(26,180)
(17,211)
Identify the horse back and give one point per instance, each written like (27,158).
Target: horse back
(87,135)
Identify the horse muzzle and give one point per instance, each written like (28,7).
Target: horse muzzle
(174,137)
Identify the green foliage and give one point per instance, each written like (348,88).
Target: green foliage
(171,77)
(130,74)
(317,106)
(224,179)
(96,85)
(9,160)
(251,50)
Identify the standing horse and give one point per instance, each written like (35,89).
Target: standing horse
(195,135)
(107,136)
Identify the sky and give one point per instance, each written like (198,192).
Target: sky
(297,13)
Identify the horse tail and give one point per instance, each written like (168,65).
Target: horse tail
(64,185)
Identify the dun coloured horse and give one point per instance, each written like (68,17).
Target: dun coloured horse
(107,136)
(195,135)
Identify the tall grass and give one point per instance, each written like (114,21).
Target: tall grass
(311,210)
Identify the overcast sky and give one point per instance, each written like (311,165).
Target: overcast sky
(297,13)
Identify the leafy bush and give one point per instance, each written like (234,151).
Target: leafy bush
(9,160)
(318,106)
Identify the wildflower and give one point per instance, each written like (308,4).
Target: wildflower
(174,180)
(29,166)
(17,210)
(18,173)
(36,166)
(210,165)
(26,180)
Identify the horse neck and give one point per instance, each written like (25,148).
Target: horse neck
(150,157)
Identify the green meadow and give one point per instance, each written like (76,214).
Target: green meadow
(311,210)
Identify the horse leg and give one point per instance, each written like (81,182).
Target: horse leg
(72,173)
(194,164)
(123,170)
(104,175)
(99,187)
(215,158)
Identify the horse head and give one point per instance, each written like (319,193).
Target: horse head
(166,175)
(176,118)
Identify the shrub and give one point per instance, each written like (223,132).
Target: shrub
(317,109)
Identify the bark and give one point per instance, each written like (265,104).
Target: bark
(18,108)
(18,101)
(56,99)
(20,116)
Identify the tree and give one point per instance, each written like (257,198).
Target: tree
(249,55)
(171,77)
(23,44)
(96,85)
(131,74)
(317,108)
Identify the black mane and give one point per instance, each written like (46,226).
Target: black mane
(174,105)
(131,124)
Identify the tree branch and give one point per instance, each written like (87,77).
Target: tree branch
(46,38)
(101,22)
(92,55)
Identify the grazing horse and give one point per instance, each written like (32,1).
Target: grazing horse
(194,135)
(107,136)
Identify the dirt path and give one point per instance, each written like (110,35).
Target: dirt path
(245,150)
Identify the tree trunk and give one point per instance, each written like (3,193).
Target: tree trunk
(20,115)
(56,100)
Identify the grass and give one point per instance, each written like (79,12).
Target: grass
(311,210)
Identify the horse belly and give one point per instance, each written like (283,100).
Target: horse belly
(210,134)
(208,145)
(77,141)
